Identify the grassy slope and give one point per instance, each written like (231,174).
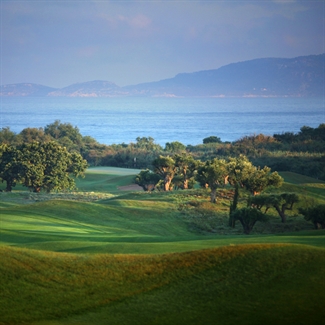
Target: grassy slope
(246,284)
(119,226)
(43,284)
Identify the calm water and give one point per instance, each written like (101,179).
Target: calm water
(186,120)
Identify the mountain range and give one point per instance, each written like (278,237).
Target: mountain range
(302,76)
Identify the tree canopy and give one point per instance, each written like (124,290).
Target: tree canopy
(40,166)
(248,217)
(315,214)
(213,174)
(166,169)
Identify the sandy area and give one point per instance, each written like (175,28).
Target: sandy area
(131,187)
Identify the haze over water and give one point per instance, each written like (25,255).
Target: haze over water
(188,120)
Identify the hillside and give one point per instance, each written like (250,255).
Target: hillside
(25,89)
(247,285)
(96,88)
(267,77)
(110,255)
(301,76)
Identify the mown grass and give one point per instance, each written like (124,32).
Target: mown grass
(106,179)
(246,284)
(65,258)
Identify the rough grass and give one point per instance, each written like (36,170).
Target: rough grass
(244,284)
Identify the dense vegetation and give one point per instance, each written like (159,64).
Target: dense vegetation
(40,166)
(303,152)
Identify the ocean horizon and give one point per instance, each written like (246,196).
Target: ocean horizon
(187,120)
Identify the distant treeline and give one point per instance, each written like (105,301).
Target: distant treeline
(302,152)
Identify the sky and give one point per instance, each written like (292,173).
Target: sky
(61,42)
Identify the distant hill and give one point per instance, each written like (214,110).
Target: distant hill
(96,88)
(25,89)
(270,77)
(301,76)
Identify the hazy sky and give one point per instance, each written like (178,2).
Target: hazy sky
(57,43)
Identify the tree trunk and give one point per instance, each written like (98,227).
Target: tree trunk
(185,184)
(150,187)
(9,186)
(247,227)
(281,214)
(167,182)
(213,195)
(233,206)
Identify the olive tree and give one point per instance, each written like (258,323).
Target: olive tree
(10,166)
(248,218)
(147,180)
(243,174)
(259,179)
(280,202)
(165,167)
(50,167)
(175,146)
(211,139)
(212,174)
(239,171)
(315,214)
(186,169)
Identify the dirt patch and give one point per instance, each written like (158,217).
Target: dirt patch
(131,187)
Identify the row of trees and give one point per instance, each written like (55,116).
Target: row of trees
(183,171)
(40,166)
(303,152)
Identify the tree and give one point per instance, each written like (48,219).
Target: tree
(315,214)
(211,139)
(281,203)
(147,180)
(213,174)
(50,167)
(147,144)
(7,136)
(166,169)
(65,134)
(260,201)
(175,146)
(239,171)
(186,168)
(259,179)
(10,166)
(248,218)
(34,134)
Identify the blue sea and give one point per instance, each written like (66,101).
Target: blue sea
(187,120)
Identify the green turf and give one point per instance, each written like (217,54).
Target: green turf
(65,258)
(106,179)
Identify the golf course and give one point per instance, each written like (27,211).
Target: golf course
(111,253)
